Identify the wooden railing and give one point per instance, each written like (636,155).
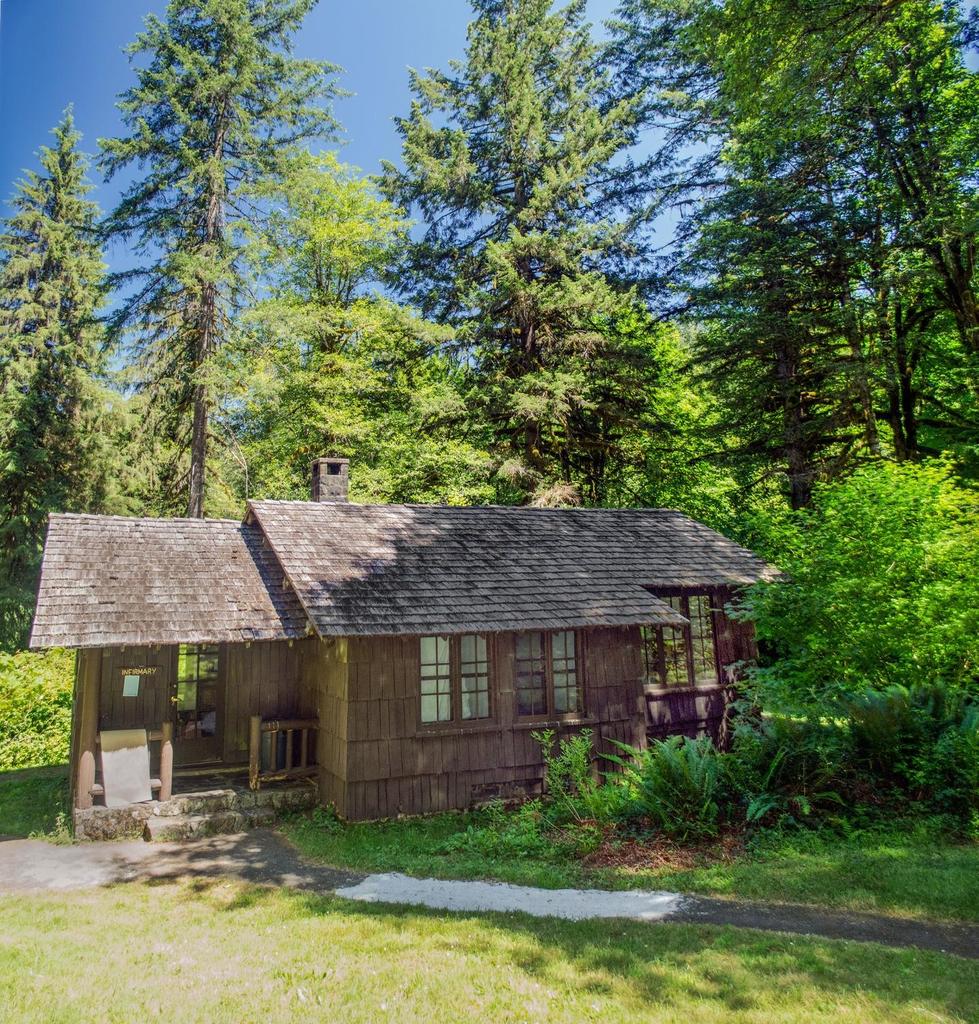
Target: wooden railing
(296,761)
(163,786)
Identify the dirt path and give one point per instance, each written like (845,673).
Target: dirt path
(264,858)
(259,856)
(960,939)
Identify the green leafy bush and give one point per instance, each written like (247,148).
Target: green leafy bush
(948,770)
(524,831)
(35,708)
(782,769)
(675,784)
(872,647)
(565,822)
(320,819)
(882,589)
(574,791)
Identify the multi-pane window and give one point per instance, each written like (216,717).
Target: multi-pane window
(682,656)
(197,691)
(455,678)
(530,681)
(436,680)
(564,669)
(547,679)
(664,651)
(702,639)
(474,676)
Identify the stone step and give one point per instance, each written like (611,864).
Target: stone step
(208,812)
(179,827)
(217,800)
(210,801)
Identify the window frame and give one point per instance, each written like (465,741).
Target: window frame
(455,719)
(550,714)
(197,652)
(680,600)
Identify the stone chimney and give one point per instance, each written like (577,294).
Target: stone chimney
(330,479)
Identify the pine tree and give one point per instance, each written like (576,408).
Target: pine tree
(821,160)
(514,161)
(51,286)
(218,107)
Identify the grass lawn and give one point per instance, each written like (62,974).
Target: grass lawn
(224,952)
(905,870)
(31,800)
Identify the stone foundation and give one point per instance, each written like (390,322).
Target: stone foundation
(191,815)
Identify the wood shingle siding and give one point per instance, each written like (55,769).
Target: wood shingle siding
(378,760)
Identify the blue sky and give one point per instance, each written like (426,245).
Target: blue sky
(55,52)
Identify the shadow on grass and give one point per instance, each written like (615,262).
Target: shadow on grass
(730,969)
(658,962)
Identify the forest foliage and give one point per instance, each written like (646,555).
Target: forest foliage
(718,257)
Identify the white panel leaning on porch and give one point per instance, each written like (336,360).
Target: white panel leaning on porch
(125,766)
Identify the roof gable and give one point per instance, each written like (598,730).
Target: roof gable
(114,581)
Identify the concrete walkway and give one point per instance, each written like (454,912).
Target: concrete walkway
(259,856)
(262,857)
(574,904)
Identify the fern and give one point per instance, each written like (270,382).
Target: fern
(675,783)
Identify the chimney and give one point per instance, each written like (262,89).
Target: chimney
(330,478)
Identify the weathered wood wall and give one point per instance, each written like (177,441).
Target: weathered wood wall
(376,758)
(261,678)
(703,710)
(324,674)
(389,763)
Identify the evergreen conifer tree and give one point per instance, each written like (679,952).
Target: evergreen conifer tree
(218,106)
(51,286)
(514,160)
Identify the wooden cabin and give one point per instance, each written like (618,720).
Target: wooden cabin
(398,656)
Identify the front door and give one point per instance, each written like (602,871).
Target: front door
(197,704)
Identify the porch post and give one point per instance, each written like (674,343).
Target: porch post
(89,665)
(166,761)
(254,750)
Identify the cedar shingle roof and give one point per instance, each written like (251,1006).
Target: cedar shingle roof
(111,581)
(370,570)
(403,569)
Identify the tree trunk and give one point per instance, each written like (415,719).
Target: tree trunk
(207,327)
(198,452)
(798,466)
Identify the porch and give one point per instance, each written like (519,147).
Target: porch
(200,800)
(203,801)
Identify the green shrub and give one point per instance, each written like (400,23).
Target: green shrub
(35,708)
(872,642)
(319,819)
(564,822)
(948,771)
(782,769)
(499,832)
(675,784)
(573,790)
(881,588)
